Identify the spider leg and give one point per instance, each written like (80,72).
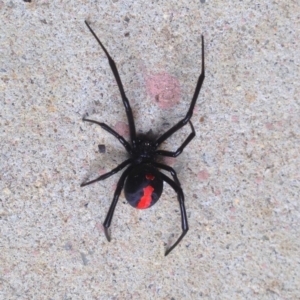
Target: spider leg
(180,149)
(114,133)
(110,173)
(189,114)
(184,221)
(121,89)
(169,169)
(111,211)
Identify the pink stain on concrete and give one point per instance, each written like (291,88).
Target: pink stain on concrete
(232,209)
(270,126)
(203,175)
(122,128)
(101,172)
(217,192)
(274,126)
(169,160)
(235,119)
(164,89)
(259,180)
(232,218)
(99,227)
(113,187)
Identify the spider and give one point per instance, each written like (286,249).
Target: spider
(143,180)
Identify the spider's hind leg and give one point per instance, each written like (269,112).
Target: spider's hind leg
(184,221)
(111,210)
(169,169)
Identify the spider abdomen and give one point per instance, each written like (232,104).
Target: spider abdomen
(143,186)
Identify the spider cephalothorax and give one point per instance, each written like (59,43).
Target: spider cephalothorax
(143,180)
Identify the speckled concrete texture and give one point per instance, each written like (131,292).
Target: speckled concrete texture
(240,174)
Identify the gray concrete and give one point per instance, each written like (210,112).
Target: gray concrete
(240,174)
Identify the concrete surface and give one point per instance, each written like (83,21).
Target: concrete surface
(240,174)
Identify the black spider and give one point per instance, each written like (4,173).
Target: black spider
(142,178)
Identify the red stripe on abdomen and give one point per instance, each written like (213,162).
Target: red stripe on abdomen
(146,198)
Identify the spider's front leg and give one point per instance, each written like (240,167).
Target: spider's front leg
(120,86)
(112,132)
(110,173)
(189,114)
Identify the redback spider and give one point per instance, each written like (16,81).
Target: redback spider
(142,178)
